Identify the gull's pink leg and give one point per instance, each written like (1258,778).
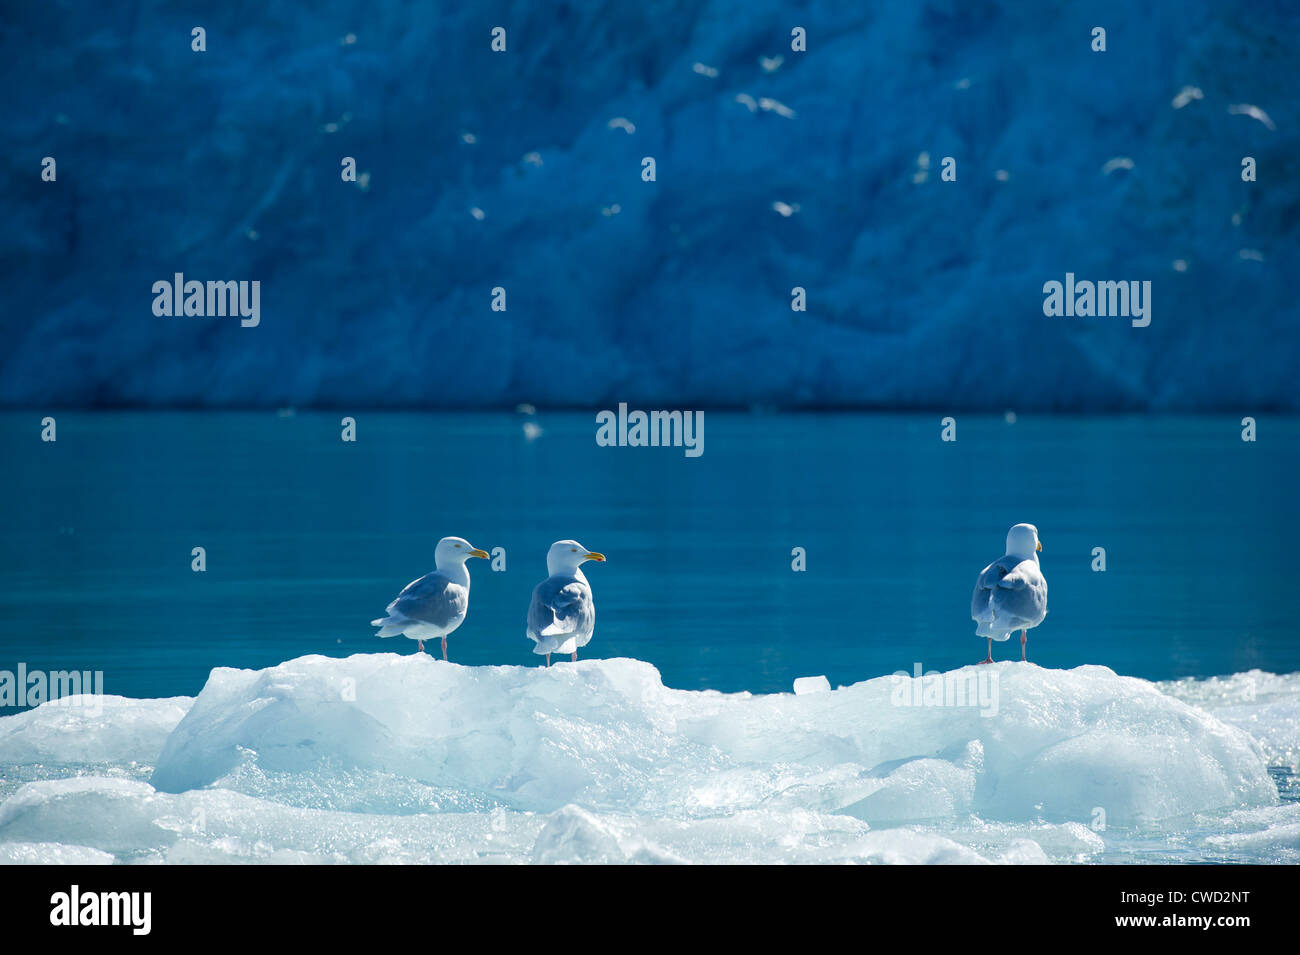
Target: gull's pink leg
(575,656)
(990,658)
(444,648)
(1024,638)
(420,646)
(548,659)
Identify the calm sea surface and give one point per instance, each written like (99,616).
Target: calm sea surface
(308,537)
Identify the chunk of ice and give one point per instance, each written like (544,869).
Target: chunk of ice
(811,684)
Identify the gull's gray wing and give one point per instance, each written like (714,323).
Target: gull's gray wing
(1020,598)
(432,599)
(1009,595)
(984,586)
(560,606)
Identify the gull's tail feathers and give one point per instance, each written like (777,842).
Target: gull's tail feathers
(391,626)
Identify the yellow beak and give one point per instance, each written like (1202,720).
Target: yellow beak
(594,556)
(1040,546)
(479,553)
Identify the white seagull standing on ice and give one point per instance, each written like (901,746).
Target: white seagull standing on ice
(1011,593)
(562,616)
(434,605)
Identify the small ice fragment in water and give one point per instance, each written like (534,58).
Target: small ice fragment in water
(1186,95)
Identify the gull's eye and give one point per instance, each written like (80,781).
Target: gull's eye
(574,549)
(458,545)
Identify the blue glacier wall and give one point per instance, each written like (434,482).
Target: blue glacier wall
(225,164)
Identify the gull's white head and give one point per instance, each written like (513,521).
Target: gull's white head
(455,550)
(1022,541)
(565,556)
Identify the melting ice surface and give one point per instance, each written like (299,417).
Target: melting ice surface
(388,758)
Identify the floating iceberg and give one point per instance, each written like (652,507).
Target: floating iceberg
(387,758)
(1264,705)
(90,730)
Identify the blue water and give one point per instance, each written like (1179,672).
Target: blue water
(308,537)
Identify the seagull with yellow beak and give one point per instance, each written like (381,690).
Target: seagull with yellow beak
(562,615)
(436,604)
(1011,593)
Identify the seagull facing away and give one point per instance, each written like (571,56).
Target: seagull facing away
(1011,593)
(434,605)
(562,614)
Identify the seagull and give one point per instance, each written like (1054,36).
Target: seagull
(766,103)
(434,605)
(1011,593)
(1254,112)
(562,614)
